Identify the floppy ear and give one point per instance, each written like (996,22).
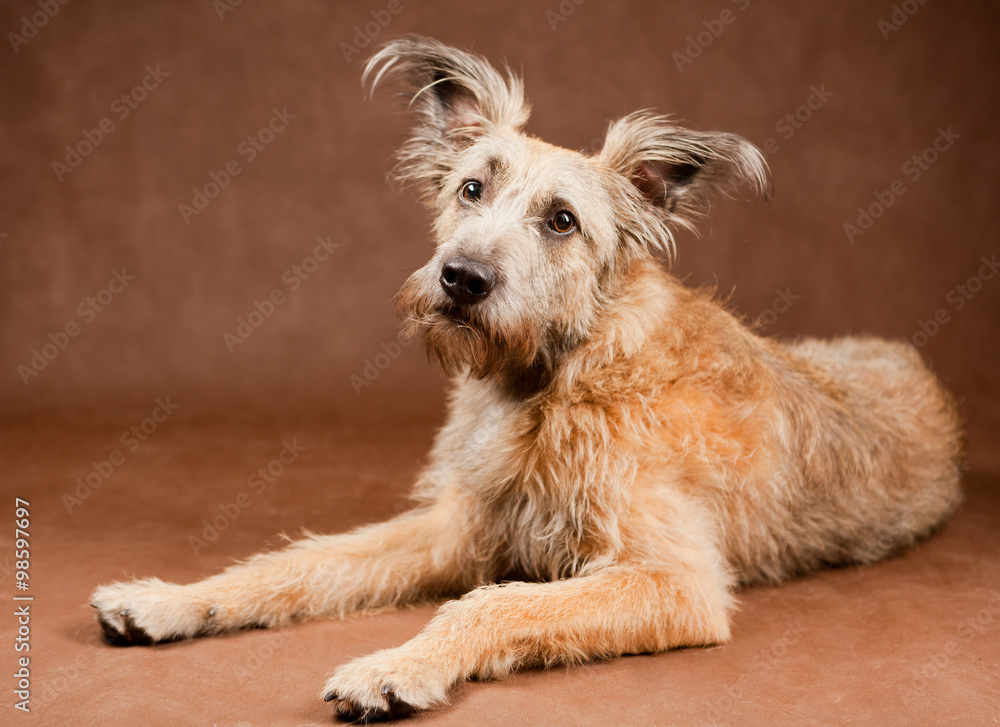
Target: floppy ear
(456,96)
(677,171)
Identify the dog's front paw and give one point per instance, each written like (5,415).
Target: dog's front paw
(148,611)
(385,685)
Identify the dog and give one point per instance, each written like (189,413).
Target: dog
(621,452)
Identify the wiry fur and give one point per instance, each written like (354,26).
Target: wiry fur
(679,171)
(622,446)
(455,97)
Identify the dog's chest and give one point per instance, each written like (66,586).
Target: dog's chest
(487,438)
(536,499)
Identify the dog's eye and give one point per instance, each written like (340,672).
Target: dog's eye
(472,191)
(563,222)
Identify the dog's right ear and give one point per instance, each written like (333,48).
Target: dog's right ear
(457,97)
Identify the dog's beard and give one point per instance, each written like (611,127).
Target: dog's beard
(471,338)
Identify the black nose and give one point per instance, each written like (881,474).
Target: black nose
(467,281)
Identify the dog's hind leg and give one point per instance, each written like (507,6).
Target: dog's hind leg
(421,553)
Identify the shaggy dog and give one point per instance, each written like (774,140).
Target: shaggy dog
(621,452)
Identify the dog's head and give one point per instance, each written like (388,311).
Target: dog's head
(533,240)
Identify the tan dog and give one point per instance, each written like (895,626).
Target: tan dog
(623,446)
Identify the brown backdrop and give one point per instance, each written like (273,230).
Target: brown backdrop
(881,101)
(157,99)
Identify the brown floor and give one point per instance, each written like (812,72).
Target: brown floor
(912,641)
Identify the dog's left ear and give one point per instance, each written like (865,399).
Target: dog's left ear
(457,97)
(678,171)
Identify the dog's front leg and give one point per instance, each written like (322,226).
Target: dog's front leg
(495,629)
(418,554)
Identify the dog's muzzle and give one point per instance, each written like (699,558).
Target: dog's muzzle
(467,281)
